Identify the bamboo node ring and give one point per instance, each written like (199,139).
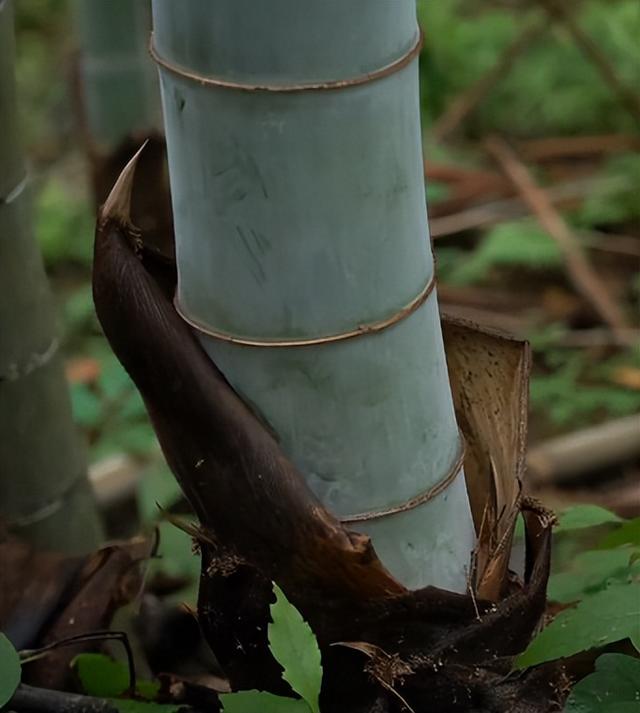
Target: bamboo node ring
(418,500)
(15,191)
(208,81)
(49,508)
(360,331)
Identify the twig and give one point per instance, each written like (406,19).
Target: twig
(598,337)
(566,147)
(562,459)
(466,102)
(585,280)
(612,243)
(29,699)
(29,655)
(558,11)
(512,208)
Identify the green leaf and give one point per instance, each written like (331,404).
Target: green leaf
(64,224)
(86,405)
(613,688)
(602,618)
(520,243)
(626,534)
(10,671)
(104,677)
(295,647)
(590,572)
(581,516)
(157,486)
(519,530)
(260,702)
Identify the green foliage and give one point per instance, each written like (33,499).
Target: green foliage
(614,687)
(254,701)
(581,516)
(294,646)
(519,243)
(10,671)
(605,583)
(78,313)
(603,206)
(551,87)
(64,225)
(104,677)
(602,618)
(628,534)
(575,391)
(111,411)
(591,572)
(131,706)
(157,489)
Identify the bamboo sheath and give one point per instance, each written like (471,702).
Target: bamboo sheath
(44,492)
(293,136)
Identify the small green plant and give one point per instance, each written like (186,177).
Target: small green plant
(294,646)
(104,677)
(291,641)
(521,244)
(614,687)
(10,672)
(602,588)
(575,391)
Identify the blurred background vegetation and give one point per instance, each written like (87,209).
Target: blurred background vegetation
(497,264)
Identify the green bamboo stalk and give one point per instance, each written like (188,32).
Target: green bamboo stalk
(44,493)
(300,214)
(118,82)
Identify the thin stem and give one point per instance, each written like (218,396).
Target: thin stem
(29,655)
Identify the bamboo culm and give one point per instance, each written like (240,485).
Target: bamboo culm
(44,492)
(118,81)
(294,145)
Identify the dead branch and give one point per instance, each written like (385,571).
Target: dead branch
(556,148)
(29,699)
(584,278)
(466,102)
(565,458)
(628,98)
(513,208)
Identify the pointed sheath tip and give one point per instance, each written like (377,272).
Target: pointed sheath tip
(117,207)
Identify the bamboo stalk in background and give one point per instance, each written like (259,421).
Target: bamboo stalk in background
(299,210)
(118,82)
(44,492)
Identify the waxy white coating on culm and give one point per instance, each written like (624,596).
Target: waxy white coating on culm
(300,214)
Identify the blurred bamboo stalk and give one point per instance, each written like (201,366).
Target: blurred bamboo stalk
(44,492)
(119,94)
(561,460)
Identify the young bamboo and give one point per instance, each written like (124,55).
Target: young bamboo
(44,492)
(293,134)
